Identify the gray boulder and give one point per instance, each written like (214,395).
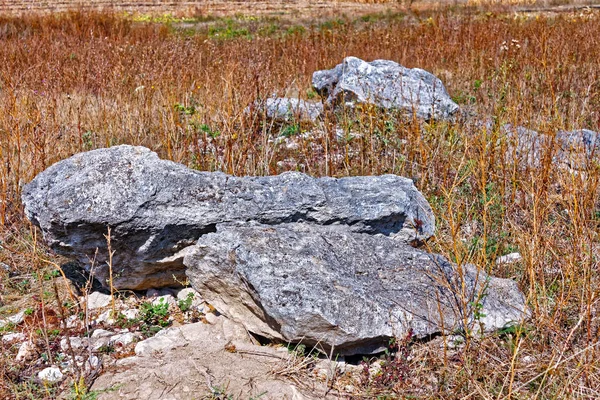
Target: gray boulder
(285,109)
(385,84)
(577,150)
(157,209)
(325,286)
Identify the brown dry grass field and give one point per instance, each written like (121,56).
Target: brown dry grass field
(179,83)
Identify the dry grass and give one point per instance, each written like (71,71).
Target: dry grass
(75,82)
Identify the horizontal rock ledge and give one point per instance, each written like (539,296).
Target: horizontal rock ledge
(327,287)
(157,209)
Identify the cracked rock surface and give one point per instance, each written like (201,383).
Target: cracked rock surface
(385,84)
(157,209)
(328,287)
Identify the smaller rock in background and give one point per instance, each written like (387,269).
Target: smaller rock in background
(385,84)
(509,259)
(286,109)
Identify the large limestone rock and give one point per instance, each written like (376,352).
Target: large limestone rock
(327,286)
(385,84)
(157,209)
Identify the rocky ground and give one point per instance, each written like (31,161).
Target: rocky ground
(166,344)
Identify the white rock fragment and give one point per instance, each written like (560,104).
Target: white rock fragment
(131,313)
(76,343)
(185,292)
(72,321)
(509,259)
(97,300)
(150,293)
(100,338)
(50,375)
(14,319)
(92,363)
(197,300)
(164,299)
(211,318)
(105,317)
(14,337)
(26,351)
(99,333)
(123,339)
(165,340)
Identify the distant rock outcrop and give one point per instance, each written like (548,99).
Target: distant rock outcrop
(287,109)
(157,209)
(577,150)
(385,84)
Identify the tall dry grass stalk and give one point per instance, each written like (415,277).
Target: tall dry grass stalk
(76,82)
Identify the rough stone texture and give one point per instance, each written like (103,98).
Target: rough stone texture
(385,84)
(157,209)
(285,109)
(13,319)
(192,361)
(325,285)
(98,300)
(26,352)
(577,150)
(50,375)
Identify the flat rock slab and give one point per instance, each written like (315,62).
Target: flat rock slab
(157,209)
(385,84)
(328,287)
(198,361)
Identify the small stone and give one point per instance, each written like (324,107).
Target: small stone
(76,343)
(168,299)
(185,292)
(26,351)
(14,337)
(99,333)
(105,317)
(100,338)
(165,340)
(14,319)
(285,109)
(72,321)
(233,330)
(97,300)
(92,363)
(509,259)
(123,339)
(50,375)
(131,313)
(527,360)
(455,341)
(375,368)
(197,301)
